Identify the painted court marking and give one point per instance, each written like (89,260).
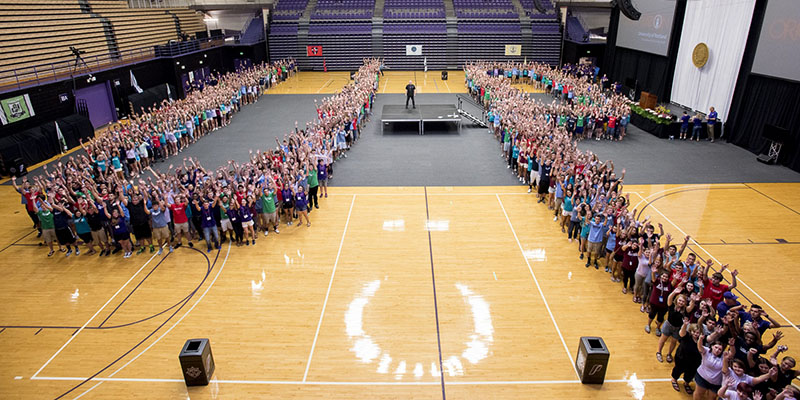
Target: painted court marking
(346,383)
(168,330)
(330,284)
(92,318)
(738,278)
(325,85)
(539,288)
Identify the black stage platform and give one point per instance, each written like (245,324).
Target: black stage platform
(422,114)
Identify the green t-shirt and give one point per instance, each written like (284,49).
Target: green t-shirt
(268,202)
(223,211)
(580,121)
(312,178)
(46,219)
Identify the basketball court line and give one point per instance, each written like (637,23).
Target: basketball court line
(92,318)
(739,279)
(352,383)
(330,284)
(539,288)
(326,84)
(168,330)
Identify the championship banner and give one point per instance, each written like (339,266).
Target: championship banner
(413,50)
(15,109)
(513,49)
(314,51)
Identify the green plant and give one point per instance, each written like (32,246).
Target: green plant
(651,115)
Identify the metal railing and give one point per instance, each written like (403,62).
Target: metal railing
(161,3)
(19,78)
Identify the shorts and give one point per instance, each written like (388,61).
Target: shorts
(301,208)
(668,330)
(271,217)
(49,235)
(65,236)
(86,237)
(122,236)
(99,236)
(323,182)
(183,227)
(142,231)
(565,213)
(506,146)
(594,247)
(226,225)
(247,223)
(700,381)
(161,233)
(287,205)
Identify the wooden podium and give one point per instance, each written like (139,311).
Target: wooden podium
(648,100)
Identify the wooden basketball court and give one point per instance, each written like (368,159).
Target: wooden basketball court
(470,292)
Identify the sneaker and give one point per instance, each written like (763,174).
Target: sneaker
(587,264)
(152,249)
(316,206)
(77,252)
(50,254)
(289,223)
(647,328)
(128,255)
(658,331)
(160,250)
(266,233)
(529,190)
(191,245)
(308,225)
(67,254)
(254,242)
(209,249)
(179,244)
(596,266)
(247,243)
(140,251)
(555,218)
(217,245)
(659,357)
(108,253)
(581,257)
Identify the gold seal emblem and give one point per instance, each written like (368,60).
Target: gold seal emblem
(700,55)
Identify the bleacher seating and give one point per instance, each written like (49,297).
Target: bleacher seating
(344,44)
(413,9)
(432,36)
(38,32)
(282,40)
(289,9)
(344,9)
(485,9)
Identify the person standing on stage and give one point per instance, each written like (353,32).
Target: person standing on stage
(712,121)
(410,88)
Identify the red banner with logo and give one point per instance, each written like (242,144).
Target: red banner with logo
(314,51)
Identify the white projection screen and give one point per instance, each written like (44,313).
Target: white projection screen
(652,31)
(778,52)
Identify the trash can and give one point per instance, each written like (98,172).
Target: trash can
(197,362)
(444,75)
(592,359)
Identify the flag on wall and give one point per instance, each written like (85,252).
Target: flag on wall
(15,109)
(135,84)
(61,138)
(314,51)
(413,50)
(513,50)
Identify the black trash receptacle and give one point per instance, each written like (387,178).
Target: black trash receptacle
(592,359)
(444,75)
(197,362)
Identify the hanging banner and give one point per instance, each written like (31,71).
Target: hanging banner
(15,109)
(414,50)
(513,49)
(314,51)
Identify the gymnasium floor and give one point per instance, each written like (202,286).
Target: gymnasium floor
(394,292)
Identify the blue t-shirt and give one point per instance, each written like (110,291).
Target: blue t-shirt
(712,117)
(596,232)
(685,121)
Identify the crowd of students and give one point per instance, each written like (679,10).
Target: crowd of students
(710,337)
(107,202)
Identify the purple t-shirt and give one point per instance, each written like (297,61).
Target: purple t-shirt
(207,214)
(300,200)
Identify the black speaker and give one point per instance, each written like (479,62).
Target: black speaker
(627,9)
(18,168)
(537,4)
(444,75)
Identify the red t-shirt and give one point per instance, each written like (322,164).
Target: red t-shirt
(30,198)
(179,213)
(714,293)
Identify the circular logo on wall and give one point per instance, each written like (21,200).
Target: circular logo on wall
(700,55)
(414,48)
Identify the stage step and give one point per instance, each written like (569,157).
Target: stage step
(473,118)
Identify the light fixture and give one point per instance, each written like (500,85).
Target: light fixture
(177,63)
(205,55)
(183,67)
(201,61)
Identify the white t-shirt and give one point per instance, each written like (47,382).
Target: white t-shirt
(711,368)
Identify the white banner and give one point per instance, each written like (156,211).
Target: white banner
(413,50)
(135,84)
